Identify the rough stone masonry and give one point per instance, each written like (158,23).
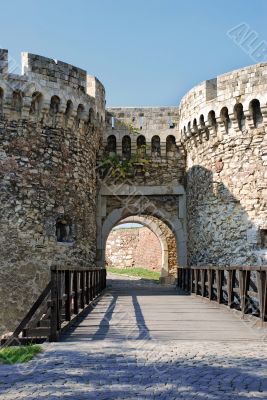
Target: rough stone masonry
(61,151)
(133,247)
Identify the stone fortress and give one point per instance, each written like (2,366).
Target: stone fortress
(71,170)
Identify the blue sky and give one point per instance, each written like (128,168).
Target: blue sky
(147,53)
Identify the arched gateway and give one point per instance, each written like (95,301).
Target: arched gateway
(72,169)
(164,204)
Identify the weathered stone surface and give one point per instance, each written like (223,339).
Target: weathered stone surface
(47,174)
(133,247)
(226,169)
(56,139)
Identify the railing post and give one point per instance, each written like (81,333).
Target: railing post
(94,279)
(105,279)
(182,279)
(230,293)
(188,283)
(262,292)
(102,279)
(191,280)
(68,294)
(97,282)
(54,306)
(87,290)
(219,285)
(202,282)
(76,294)
(82,289)
(210,284)
(178,277)
(197,281)
(264,285)
(91,284)
(244,277)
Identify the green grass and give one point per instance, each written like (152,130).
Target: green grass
(140,272)
(18,354)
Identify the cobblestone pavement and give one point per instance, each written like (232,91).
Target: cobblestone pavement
(107,367)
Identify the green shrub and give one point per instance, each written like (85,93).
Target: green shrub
(18,354)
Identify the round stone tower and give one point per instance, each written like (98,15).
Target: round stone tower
(223,130)
(51,124)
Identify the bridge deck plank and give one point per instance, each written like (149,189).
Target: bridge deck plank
(138,310)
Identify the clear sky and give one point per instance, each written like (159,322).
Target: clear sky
(146,52)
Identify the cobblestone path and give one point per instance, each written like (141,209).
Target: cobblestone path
(143,341)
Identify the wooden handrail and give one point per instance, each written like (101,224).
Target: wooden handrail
(72,290)
(80,269)
(32,311)
(235,286)
(69,292)
(230,267)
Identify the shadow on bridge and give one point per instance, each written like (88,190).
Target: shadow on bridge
(143,310)
(132,325)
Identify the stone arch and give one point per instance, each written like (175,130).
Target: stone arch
(202,121)
(91,116)
(69,109)
(141,144)
(116,215)
(239,116)
(54,105)
(255,112)
(80,112)
(17,102)
(145,221)
(170,143)
(212,119)
(189,127)
(195,127)
(36,104)
(224,114)
(126,146)
(111,144)
(155,145)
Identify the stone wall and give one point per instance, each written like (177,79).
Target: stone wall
(172,249)
(223,128)
(133,247)
(56,138)
(141,173)
(51,131)
(151,155)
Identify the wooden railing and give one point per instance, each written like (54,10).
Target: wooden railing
(243,288)
(72,289)
(68,294)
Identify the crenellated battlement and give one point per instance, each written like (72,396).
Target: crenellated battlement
(52,91)
(232,102)
(133,127)
(53,70)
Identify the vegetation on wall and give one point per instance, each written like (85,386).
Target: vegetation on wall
(127,125)
(117,165)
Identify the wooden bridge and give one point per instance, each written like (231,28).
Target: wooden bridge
(138,310)
(211,303)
